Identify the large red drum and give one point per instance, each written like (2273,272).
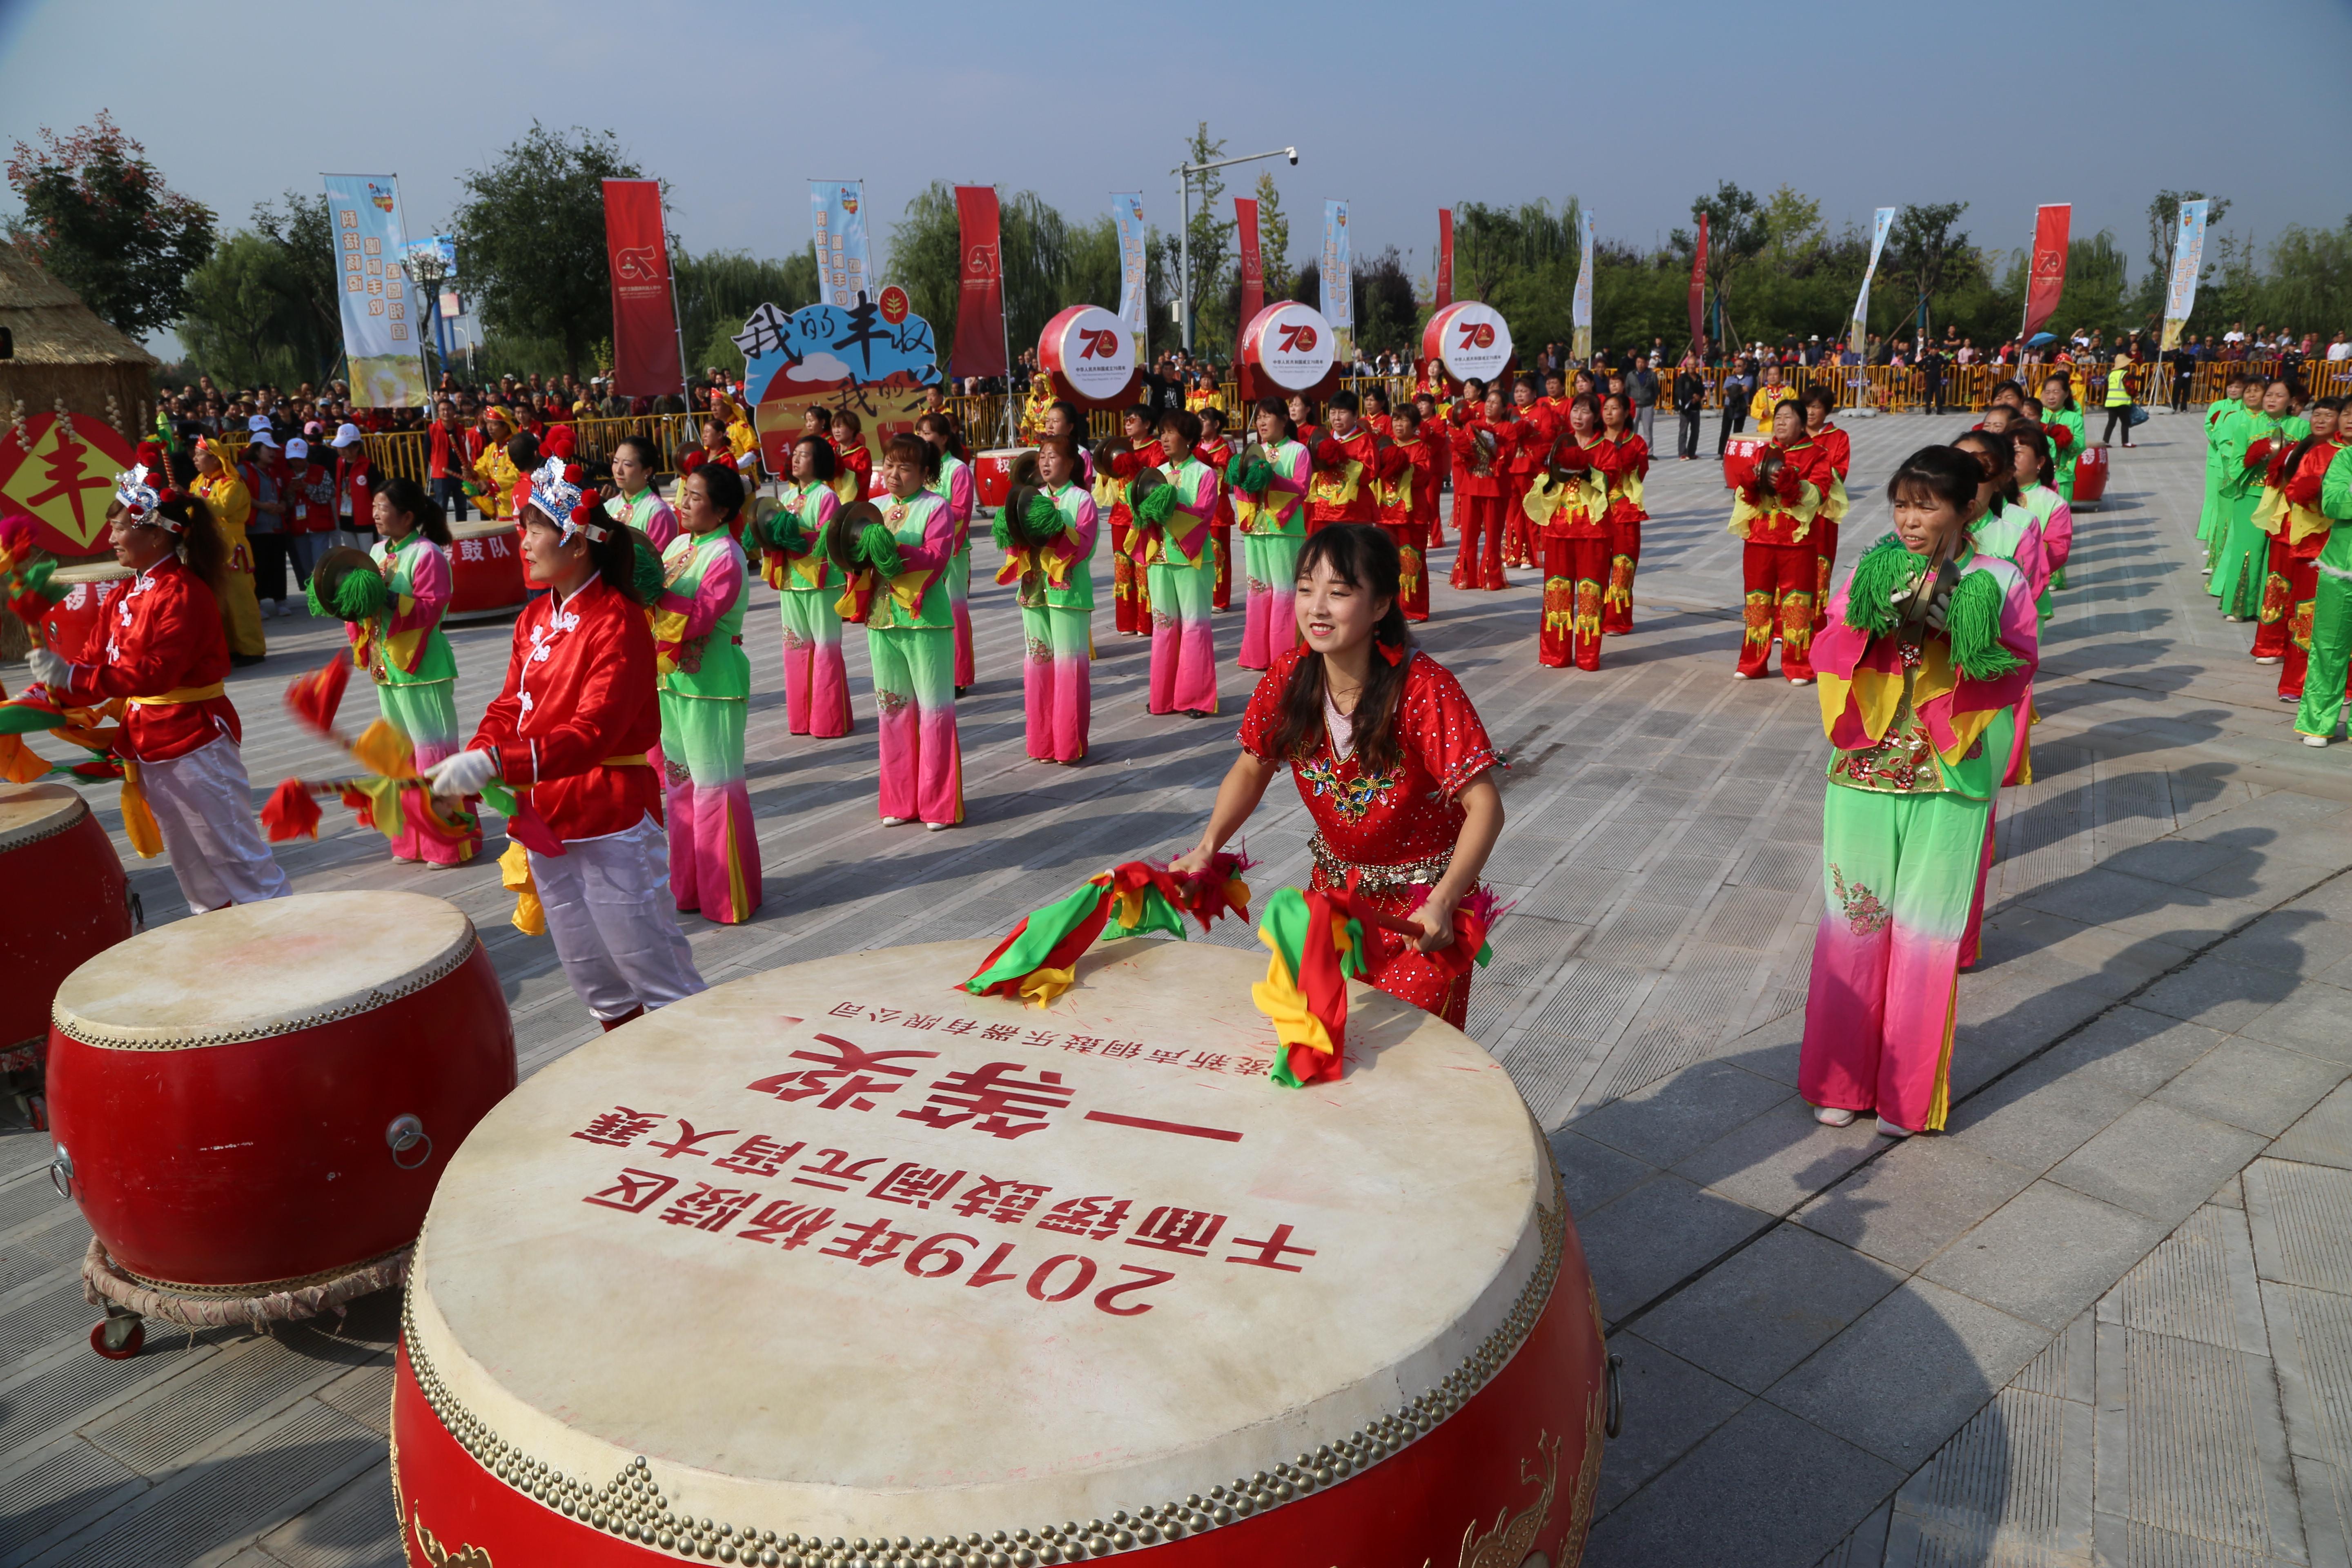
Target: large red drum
(993,471)
(838,1263)
(486,576)
(2090,476)
(267,1095)
(89,586)
(67,901)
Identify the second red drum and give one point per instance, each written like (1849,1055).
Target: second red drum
(267,1095)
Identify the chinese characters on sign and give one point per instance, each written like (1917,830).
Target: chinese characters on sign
(379,329)
(1239,1064)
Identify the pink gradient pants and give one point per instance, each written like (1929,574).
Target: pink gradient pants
(714,851)
(1270,617)
(1056,681)
(1899,871)
(914,700)
(427,712)
(1183,644)
(960,603)
(816,684)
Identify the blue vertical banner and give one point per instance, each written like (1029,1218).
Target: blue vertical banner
(1134,301)
(381,309)
(1858,331)
(2188,262)
(1339,279)
(1580,310)
(844,269)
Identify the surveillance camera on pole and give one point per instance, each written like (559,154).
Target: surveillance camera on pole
(1184,172)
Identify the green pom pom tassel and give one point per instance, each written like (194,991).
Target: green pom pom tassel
(1043,519)
(879,548)
(360,596)
(1155,507)
(1973,623)
(1883,567)
(1255,478)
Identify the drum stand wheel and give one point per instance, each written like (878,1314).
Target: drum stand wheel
(119,1334)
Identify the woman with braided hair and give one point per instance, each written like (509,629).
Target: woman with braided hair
(160,650)
(1048,536)
(575,727)
(1930,647)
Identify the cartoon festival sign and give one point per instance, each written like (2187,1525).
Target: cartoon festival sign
(873,357)
(59,469)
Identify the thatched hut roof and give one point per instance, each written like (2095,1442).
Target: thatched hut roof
(49,326)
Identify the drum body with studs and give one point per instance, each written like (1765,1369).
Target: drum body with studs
(992,473)
(485,575)
(266,1094)
(838,1263)
(64,884)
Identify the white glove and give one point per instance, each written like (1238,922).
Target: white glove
(462,775)
(49,666)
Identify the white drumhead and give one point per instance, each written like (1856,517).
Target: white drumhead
(481,528)
(30,813)
(585,1293)
(93,572)
(256,970)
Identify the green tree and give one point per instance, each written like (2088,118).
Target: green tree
(1274,239)
(1211,238)
(532,233)
(263,307)
(1920,251)
(104,223)
(718,290)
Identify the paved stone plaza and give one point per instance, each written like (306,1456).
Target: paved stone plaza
(2108,1317)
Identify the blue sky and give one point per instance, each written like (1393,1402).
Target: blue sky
(1400,108)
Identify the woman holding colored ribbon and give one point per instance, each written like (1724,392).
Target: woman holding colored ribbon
(1391,760)
(160,653)
(572,729)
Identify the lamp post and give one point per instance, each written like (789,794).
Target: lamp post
(1184,172)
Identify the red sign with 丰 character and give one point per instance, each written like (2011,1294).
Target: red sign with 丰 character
(59,469)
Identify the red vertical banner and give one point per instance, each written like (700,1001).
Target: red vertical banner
(1253,262)
(1444,257)
(980,298)
(2047,281)
(1698,284)
(645,358)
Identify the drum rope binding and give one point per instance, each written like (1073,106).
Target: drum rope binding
(101,1037)
(631,1505)
(103,1280)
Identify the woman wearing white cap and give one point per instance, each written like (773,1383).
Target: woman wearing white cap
(355,483)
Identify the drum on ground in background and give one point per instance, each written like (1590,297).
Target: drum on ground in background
(1740,460)
(70,901)
(2091,475)
(486,576)
(992,473)
(1045,1286)
(252,1107)
(89,586)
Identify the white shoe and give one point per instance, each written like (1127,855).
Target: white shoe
(1833,1116)
(1800,681)
(937,826)
(1739,675)
(2314,740)
(1889,1129)
(2238,620)
(2268,658)
(894,822)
